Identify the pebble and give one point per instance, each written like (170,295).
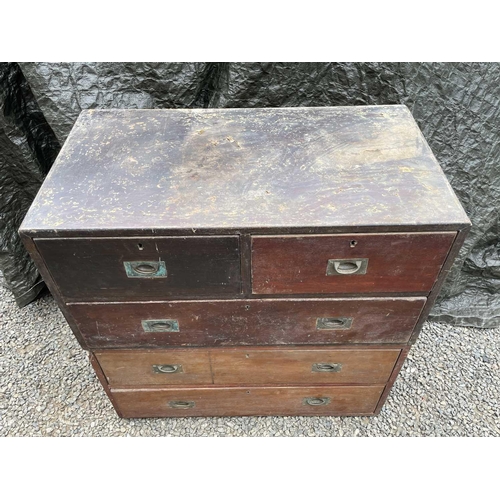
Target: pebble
(449,386)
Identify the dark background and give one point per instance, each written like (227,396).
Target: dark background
(457,106)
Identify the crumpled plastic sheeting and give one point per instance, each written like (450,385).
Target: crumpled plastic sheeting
(457,106)
(62,90)
(27,150)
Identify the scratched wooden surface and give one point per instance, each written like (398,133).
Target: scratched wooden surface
(244,168)
(402,262)
(247,322)
(231,401)
(93,269)
(135,368)
(176,186)
(241,367)
(295,367)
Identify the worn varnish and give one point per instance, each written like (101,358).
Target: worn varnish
(244,168)
(257,366)
(302,366)
(160,367)
(222,262)
(93,268)
(227,401)
(248,322)
(408,262)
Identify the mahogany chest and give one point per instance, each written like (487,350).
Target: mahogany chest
(245,261)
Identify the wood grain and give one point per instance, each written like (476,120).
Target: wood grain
(148,403)
(102,379)
(405,262)
(240,366)
(93,268)
(246,207)
(52,286)
(294,367)
(247,322)
(130,368)
(452,255)
(397,368)
(244,168)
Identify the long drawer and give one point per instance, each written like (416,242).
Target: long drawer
(225,401)
(348,263)
(240,366)
(247,322)
(101,269)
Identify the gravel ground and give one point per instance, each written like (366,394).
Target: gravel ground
(449,386)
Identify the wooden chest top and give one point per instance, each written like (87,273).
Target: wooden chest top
(206,170)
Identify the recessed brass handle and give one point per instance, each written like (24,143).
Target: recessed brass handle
(327,367)
(160,325)
(181,405)
(145,269)
(316,401)
(333,323)
(346,266)
(167,368)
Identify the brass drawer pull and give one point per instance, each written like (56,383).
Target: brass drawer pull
(317,401)
(167,368)
(327,367)
(333,323)
(160,325)
(346,266)
(145,269)
(181,405)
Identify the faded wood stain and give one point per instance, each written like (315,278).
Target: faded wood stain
(211,243)
(241,168)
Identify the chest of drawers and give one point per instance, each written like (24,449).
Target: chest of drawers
(246,261)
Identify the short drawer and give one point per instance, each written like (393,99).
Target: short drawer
(300,366)
(159,367)
(247,322)
(101,269)
(224,401)
(348,263)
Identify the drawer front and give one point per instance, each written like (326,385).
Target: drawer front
(248,322)
(100,269)
(339,400)
(299,366)
(240,367)
(160,367)
(348,263)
